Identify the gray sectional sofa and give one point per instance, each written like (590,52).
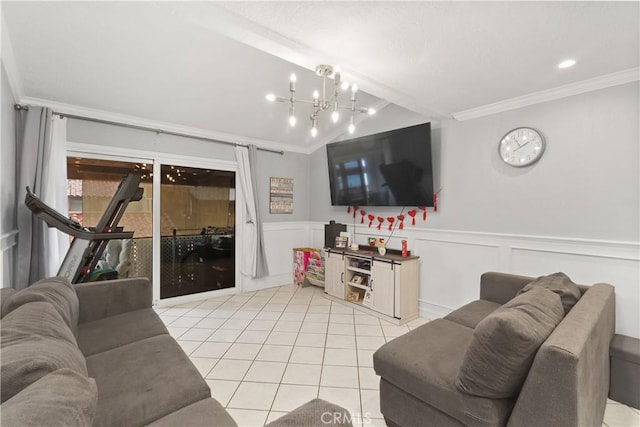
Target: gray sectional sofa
(97,354)
(521,355)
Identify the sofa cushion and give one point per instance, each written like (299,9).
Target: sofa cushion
(115,331)
(61,398)
(5,293)
(425,362)
(561,285)
(205,412)
(30,357)
(36,319)
(316,412)
(505,343)
(471,314)
(143,381)
(56,290)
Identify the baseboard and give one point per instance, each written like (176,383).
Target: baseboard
(433,311)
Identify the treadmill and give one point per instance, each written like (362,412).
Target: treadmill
(89,243)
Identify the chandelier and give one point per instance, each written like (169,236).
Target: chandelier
(324,102)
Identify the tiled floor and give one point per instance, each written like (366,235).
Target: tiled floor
(265,353)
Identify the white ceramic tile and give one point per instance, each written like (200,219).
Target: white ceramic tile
(245,314)
(340,357)
(274,415)
(370,343)
(160,310)
(265,372)
(373,422)
(229,369)
(168,319)
(211,305)
(320,300)
(302,374)
(242,351)
(289,397)
(317,317)
(175,311)
(370,403)
(268,315)
(197,334)
(280,300)
(311,340)
(320,309)
(341,318)
(365,319)
(190,304)
(235,324)
(248,417)
(339,376)
(617,415)
(348,398)
(211,349)
(341,309)
(176,332)
(369,330)
(274,307)
(417,322)
(250,395)
(261,325)
(254,305)
(296,308)
(253,337)
(314,327)
(221,313)
(222,390)
(209,323)
(341,341)
(341,329)
(189,346)
(295,317)
(312,355)
(203,364)
(368,379)
(231,306)
(394,331)
(239,299)
(365,357)
(288,326)
(225,335)
(281,338)
(274,353)
(199,312)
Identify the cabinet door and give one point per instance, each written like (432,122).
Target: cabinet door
(383,287)
(334,276)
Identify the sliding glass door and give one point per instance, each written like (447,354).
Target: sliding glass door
(197,230)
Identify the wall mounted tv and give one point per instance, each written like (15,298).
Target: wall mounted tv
(386,169)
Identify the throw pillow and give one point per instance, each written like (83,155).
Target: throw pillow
(505,343)
(56,290)
(62,398)
(561,285)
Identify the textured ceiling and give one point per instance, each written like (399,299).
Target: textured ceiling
(208,66)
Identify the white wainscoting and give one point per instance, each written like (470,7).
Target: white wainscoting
(279,239)
(7,242)
(451,263)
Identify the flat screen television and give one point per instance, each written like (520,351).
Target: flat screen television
(391,168)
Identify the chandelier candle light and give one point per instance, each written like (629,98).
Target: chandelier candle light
(322,103)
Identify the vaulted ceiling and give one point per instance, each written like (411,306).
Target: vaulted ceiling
(205,67)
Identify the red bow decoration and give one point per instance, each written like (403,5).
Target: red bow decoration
(412,214)
(401,219)
(348,209)
(371,218)
(390,219)
(435,201)
(355,211)
(424,212)
(380,221)
(362,214)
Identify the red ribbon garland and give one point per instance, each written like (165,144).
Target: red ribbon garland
(401,219)
(390,219)
(424,212)
(371,218)
(362,214)
(412,214)
(380,221)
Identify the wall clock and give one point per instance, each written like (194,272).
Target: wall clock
(521,147)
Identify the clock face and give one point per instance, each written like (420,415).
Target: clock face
(521,147)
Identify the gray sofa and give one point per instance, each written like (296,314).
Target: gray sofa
(98,354)
(449,372)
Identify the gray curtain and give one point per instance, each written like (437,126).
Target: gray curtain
(33,152)
(262,269)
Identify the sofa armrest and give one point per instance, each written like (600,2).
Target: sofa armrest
(501,287)
(108,298)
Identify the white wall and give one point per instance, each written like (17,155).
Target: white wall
(8,233)
(577,210)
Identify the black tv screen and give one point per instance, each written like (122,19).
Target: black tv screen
(386,169)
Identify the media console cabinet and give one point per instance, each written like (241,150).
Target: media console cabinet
(385,286)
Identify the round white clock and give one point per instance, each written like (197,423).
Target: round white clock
(521,147)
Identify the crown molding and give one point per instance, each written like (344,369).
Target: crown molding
(589,85)
(164,126)
(10,65)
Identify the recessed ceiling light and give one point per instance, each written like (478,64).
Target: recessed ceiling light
(567,63)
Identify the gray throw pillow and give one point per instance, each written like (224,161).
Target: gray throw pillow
(505,343)
(62,398)
(55,290)
(561,285)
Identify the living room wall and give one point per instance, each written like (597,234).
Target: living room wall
(8,179)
